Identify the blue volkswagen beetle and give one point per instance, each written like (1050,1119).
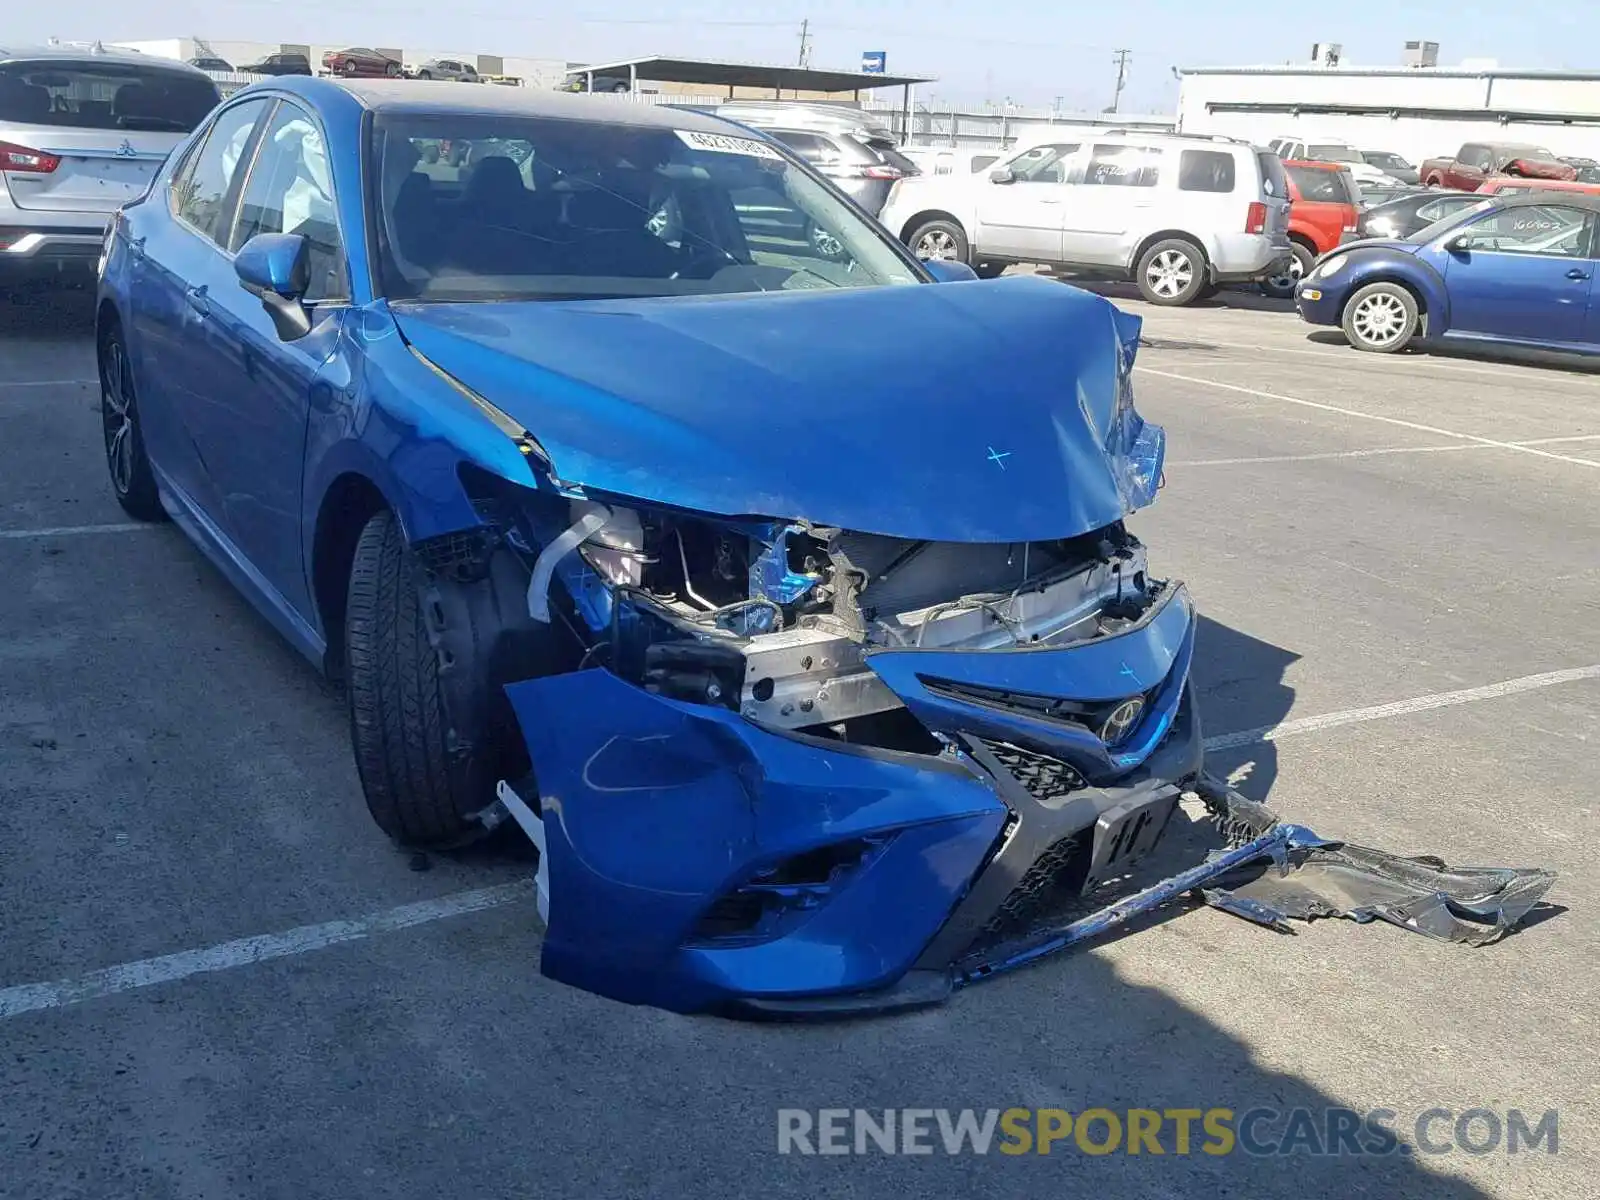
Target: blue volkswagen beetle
(1518,271)
(639,489)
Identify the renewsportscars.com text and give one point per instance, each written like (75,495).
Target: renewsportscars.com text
(1177,1131)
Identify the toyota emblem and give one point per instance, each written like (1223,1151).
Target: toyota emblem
(1121,721)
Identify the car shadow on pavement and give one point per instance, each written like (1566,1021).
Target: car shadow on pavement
(1239,681)
(1241,297)
(1550,360)
(56,313)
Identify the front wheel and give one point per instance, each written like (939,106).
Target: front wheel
(424,74)
(1172,272)
(939,240)
(424,774)
(349,66)
(392,70)
(1282,285)
(1381,318)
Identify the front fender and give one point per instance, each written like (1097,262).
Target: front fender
(396,423)
(1377,266)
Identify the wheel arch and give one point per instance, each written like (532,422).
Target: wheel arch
(1143,248)
(350,501)
(1432,305)
(932,214)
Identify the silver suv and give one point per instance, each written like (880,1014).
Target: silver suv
(1176,214)
(858,154)
(448,68)
(81,133)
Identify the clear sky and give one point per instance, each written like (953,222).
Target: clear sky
(1029,51)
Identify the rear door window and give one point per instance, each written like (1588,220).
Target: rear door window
(92,95)
(1123,166)
(890,156)
(1205,171)
(204,191)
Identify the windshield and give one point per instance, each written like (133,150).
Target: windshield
(483,207)
(1388,162)
(1428,232)
(91,95)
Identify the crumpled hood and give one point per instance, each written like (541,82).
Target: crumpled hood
(953,412)
(1538,168)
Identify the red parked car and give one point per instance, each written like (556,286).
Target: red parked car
(360,60)
(1322,209)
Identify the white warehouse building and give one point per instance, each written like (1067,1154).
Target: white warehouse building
(1418,112)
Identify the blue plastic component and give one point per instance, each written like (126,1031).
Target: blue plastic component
(273,262)
(770,575)
(654,808)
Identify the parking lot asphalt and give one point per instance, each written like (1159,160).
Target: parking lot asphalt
(1398,560)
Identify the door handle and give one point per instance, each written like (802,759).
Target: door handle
(1577,273)
(1049,199)
(196,297)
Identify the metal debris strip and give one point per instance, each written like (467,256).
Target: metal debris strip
(1274,871)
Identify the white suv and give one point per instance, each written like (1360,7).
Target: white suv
(1176,214)
(81,133)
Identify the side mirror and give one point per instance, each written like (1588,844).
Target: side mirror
(1459,244)
(276,267)
(948,270)
(1002,175)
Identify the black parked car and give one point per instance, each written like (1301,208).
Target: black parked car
(1588,170)
(1402,217)
(210,64)
(280,64)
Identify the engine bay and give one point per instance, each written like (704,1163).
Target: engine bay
(777,621)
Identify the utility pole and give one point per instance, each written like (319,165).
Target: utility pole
(1122,78)
(805,42)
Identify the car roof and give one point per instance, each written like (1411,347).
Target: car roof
(421,97)
(1315,164)
(97,54)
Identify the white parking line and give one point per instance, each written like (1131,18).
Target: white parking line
(1382,362)
(1366,416)
(169,968)
(1291,458)
(17,535)
(31,997)
(7,384)
(1400,708)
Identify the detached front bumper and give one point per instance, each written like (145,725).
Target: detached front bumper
(699,861)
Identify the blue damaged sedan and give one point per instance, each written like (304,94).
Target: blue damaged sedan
(640,490)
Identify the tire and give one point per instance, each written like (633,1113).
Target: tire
(940,238)
(1381,318)
(424,74)
(1171,272)
(392,70)
(618,89)
(349,66)
(418,791)
(132,480)
(1281,287)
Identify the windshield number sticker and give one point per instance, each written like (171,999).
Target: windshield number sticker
(718,143)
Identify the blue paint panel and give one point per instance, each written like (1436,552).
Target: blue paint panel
(728,405)
(653,808)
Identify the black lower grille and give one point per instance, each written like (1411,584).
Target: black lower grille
(1051,885)
(1045,778)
